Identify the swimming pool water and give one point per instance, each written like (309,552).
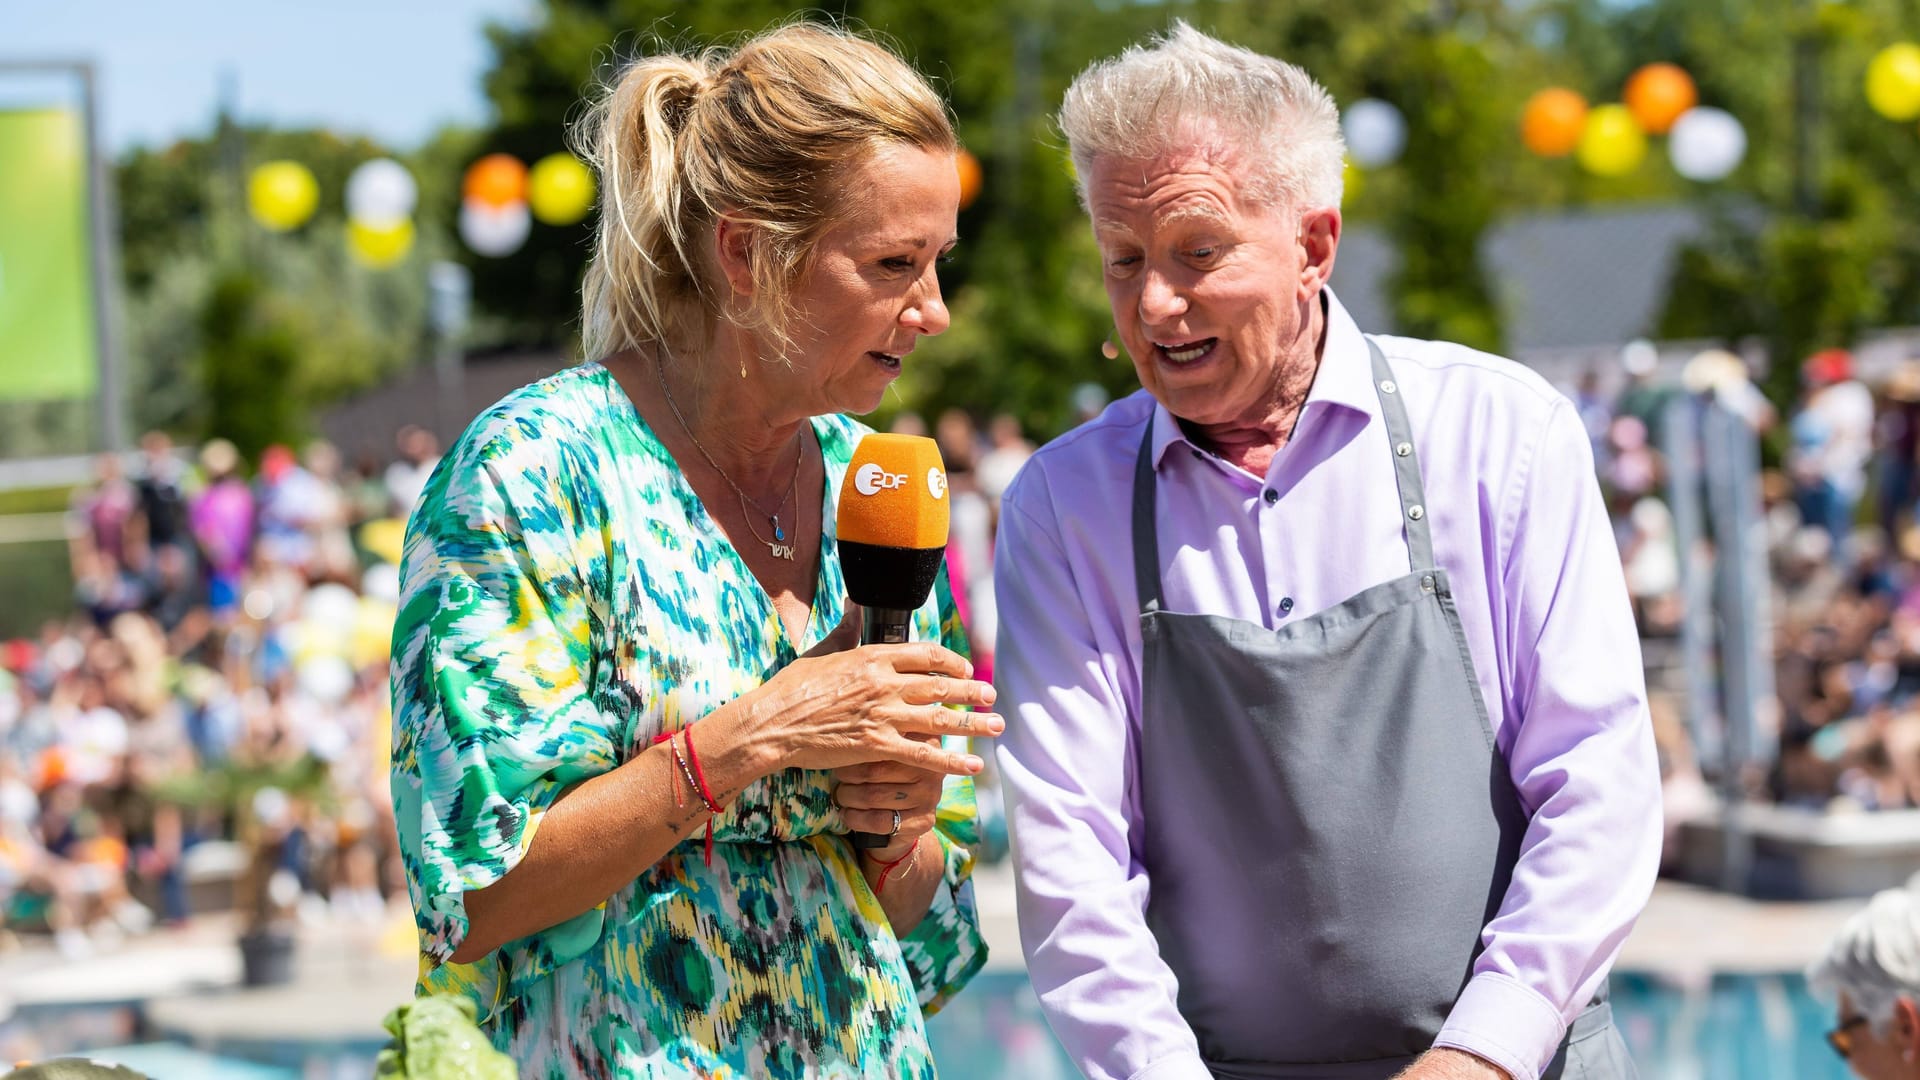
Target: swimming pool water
(1727,1027)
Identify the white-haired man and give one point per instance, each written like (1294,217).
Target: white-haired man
(1328,751)
(1872,968)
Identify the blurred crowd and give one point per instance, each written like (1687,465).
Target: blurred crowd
(215,707)
(213,713)
(1838,513)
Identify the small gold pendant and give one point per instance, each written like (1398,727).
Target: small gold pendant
(782,551)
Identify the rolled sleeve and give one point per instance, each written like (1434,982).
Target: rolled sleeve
(1064,756)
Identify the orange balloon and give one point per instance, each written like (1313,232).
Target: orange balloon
(1552,122)
(970,177)
(1657,94)
(496,180)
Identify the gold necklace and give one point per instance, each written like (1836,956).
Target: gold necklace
(779,546)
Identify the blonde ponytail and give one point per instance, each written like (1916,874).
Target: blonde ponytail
(758,133)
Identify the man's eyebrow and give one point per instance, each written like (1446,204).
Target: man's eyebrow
(1193,211)
(1200,211)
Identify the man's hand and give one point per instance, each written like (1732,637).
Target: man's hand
(1446,1063)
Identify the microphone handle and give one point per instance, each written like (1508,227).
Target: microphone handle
(886,626)
(882,626)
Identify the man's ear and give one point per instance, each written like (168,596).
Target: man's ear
(1319,240)
(1906,1027)
(732,253)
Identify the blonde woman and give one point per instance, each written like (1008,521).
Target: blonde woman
(631,725)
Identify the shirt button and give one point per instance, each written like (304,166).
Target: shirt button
(1271,496)
(1286,604)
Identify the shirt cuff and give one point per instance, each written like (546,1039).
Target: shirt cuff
(1506,1022)
(1184,1066)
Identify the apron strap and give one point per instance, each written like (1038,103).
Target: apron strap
(1406,463)
(1406,477)
(1146,539)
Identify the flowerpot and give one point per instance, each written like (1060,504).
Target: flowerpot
(266,958)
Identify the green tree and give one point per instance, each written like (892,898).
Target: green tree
(247,360)
(1024,282)
(186,244)
(1813,241)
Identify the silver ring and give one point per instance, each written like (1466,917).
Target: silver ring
(895,831)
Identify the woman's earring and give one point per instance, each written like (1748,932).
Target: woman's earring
(1109,350)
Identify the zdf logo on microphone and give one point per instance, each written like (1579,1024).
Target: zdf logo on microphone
(871,479)
(937,483)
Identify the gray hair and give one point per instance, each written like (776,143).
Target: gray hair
(1875,957)
(1137,105)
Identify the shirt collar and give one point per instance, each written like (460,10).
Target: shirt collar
(1344,380)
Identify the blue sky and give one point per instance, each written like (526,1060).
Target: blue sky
(392,69)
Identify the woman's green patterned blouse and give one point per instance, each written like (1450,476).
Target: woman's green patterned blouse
(566,597)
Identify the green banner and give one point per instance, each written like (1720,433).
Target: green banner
(48,346)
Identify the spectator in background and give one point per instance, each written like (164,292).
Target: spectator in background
(1009,450)
(103,520)
(1872,970)
(1832,442)
(1086,401)
(162,485)
(970,536)
(328,513)
(1643,527)
(1596,415)
(1643,399)
(407,477)
(221,517)
(909,422)
(1897,439)
(1722,377)
(366,489)
(284,501)
(106,545)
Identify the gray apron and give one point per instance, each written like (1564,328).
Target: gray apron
(1329,826)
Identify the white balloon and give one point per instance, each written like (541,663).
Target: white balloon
(381,582)
(494,230)
(326,679)
(1706,143)
(381,193)
(329,605)
(1375,131)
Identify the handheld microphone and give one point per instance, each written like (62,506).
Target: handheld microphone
(892,534)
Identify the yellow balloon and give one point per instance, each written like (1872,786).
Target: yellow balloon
(1893,81)
(282,195)
(372,631)
(380,246)
(384,538)
(1612,143)
(560,189)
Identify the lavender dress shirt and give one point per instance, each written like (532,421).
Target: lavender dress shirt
(1519,526)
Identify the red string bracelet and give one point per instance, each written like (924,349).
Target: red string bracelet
(696,780)
(913,853)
